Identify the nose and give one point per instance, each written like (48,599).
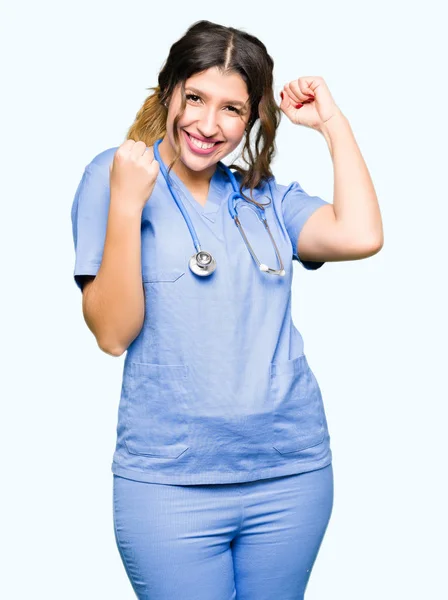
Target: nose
(208,125)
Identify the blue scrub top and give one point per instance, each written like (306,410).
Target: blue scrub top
(216,387)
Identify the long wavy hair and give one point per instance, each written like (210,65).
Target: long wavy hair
(206,45)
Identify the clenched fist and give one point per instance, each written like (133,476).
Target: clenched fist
(133,173)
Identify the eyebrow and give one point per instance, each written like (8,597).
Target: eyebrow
(196,91)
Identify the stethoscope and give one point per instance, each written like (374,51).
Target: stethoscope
(202,262)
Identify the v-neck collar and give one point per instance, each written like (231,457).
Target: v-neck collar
(215,197)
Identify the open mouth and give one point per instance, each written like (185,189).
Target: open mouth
(197,145)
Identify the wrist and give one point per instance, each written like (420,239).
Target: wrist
(125,207)
(333,124)
(336,117)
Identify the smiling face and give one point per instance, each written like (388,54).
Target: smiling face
(217,110)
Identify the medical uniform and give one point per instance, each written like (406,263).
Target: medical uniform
(216,387)
(222,469)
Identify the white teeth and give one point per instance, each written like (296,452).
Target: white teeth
(200,144)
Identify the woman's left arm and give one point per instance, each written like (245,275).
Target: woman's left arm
(351,227)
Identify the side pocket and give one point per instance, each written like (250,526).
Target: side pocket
(298,415)
(156,410)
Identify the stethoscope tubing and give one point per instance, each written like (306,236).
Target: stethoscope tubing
(179,202)
(231,201)
(233,197)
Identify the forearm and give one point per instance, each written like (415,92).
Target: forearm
(113,306)
(355,202)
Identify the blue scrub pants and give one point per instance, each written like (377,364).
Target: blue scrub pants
(256,540)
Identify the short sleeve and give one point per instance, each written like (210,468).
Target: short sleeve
(89,216)
(297,207)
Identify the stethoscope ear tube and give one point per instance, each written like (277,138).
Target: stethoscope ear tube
(202,262)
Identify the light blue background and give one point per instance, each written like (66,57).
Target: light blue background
(74,76)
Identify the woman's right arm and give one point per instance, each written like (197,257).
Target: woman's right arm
(113,303)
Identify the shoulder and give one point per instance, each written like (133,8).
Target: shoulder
(280,190)
(276,191)
(103,160)
(93,188)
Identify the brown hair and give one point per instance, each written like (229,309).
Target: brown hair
(206,45)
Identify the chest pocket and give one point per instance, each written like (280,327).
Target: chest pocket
(161,275)
(166,245)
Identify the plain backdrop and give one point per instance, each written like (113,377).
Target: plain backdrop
(74,75)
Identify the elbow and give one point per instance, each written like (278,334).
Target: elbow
(377,244)
(117,345)
(371,246)
(107,345)
(111,349)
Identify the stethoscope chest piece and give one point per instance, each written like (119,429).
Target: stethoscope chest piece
(202,263)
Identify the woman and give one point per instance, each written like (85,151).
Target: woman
(222,473)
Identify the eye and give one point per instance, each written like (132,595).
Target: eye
(188,96)
(191,96)
(235,109)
